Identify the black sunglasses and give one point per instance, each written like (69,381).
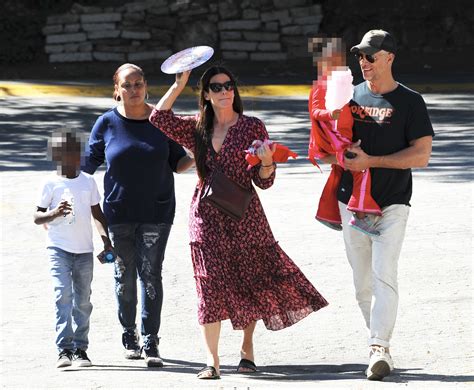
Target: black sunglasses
(217,87)
(368,57)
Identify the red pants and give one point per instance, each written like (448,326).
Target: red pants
(361,199)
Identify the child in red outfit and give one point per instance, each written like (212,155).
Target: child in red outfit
(331,133)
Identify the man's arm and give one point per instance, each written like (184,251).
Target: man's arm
(416,155)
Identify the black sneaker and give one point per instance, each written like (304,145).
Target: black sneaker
(152,355)
(64,359)
(130,343)
(81,359)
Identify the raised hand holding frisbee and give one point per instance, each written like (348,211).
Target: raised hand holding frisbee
(187,59)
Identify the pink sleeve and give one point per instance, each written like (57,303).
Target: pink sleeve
(180,129)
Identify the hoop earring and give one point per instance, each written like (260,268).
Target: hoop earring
(146,96)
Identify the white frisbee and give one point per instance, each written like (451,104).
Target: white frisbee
(187,59)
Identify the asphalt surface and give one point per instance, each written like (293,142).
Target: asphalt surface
(433,339)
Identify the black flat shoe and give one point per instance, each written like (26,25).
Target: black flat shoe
(247,365)
(208,372)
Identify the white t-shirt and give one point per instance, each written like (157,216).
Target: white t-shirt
(75,237)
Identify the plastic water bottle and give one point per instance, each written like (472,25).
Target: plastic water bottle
(109,257)
(106,257)
(70,218)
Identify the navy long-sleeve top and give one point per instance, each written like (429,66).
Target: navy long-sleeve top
(138,182)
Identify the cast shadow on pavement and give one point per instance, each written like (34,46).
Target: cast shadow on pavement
(299,372)
(451,116)
(106,367)
(320,372)
(282,372)
(349,371)
(26,125)
(405,375)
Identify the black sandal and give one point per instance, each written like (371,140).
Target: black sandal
(248,365)
(208,370)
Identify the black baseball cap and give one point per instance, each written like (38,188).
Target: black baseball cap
(374,41)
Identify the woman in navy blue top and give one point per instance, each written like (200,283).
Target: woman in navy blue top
(139,204)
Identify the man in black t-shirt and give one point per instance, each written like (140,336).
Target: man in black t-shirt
(392,134)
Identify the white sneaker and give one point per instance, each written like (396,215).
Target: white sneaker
(380,364)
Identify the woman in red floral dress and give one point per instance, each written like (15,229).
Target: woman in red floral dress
(241,272)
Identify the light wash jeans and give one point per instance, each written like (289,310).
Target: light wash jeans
(374,262)
(140,250)
(72,277)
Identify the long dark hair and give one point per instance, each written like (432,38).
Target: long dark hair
(204,127)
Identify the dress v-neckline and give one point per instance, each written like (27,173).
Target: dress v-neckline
(225,138)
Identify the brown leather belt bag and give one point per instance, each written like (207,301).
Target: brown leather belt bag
(226,195)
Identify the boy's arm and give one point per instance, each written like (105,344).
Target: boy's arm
(184,163)
(42,215)
(101,225)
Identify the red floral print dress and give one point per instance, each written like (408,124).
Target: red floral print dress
(241,272)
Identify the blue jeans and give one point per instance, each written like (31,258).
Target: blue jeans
(72,277)
(140,251)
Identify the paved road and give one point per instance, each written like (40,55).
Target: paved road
(433,340)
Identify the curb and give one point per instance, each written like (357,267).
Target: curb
(94,90)
(24,89)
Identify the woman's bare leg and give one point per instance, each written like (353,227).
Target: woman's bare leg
(246,352)
(211,333)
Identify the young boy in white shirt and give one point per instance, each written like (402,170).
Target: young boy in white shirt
(68,200)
